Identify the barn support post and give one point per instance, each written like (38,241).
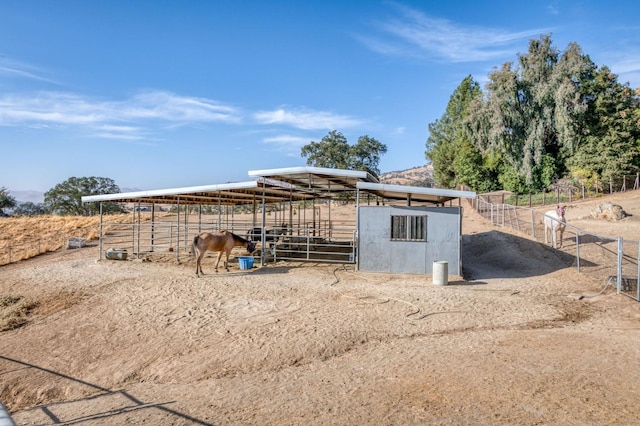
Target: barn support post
(138,233)
(330,202)
(199,218)
(262,230)
(178,231)
(100,229)
(153,221)
(133,225)
(355,236)
(219,212)
(186,224)
(290,224)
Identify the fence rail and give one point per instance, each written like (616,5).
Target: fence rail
(322,241)
(610,259)
(16,251)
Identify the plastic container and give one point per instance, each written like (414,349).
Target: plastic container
(440,272)
(245,262)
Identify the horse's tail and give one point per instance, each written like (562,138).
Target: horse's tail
(194,247)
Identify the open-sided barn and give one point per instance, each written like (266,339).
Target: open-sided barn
(397,228)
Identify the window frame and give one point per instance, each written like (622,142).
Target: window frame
(408,227)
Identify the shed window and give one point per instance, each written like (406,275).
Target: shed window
(409,228)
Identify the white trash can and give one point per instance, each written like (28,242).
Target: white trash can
(440,272)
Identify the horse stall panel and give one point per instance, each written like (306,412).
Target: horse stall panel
(408,239)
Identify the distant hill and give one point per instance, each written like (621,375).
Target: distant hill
(38,196)
(27,196)
(416,176)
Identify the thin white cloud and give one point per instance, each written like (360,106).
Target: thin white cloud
(128,119)
(306,119)
(288,140)
(17,69)
(417,34)
(288,144)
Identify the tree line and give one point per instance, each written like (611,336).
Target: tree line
(549,116)
(65,199)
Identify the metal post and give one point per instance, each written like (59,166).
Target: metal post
(578,251)
(638,276)
(533,225)
(153,225)
(619,271)
(100,234)
(178,231)
(138,234)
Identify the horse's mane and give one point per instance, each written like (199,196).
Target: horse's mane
(238,238)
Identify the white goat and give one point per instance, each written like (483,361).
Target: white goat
(554,222)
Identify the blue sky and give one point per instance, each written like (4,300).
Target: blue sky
(164,94)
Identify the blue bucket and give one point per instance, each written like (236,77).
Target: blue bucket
(246,262)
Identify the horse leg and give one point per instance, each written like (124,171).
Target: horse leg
(218,261)
(560,231)
(226,262)
(198,254)
(546,230)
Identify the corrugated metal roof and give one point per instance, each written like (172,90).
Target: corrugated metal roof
(319,180)
(224,194)
(276,185)
(413,193)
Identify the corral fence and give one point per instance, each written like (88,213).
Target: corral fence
(321,241)
(13,251)
(566,192)
(613,260)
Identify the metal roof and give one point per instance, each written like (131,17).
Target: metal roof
(318,180)
(224,194)
(413,193)
(277,185)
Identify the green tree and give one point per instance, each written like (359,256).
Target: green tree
(6,200)
(365,155)
(66,197)
(333,151)
(533,111)
(454,158)
(29,209)
(611,134)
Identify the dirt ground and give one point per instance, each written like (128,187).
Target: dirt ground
(522,339)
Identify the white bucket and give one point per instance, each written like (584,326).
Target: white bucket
(440,272)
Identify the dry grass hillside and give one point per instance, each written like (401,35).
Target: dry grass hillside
(24,237)
(416,176)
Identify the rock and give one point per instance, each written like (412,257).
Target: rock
(608,211)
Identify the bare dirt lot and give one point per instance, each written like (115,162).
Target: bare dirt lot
(125,342)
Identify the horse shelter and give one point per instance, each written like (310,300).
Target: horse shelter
(288,212)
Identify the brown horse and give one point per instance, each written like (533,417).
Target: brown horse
(222,242)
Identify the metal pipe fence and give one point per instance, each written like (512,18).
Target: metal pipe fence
(610,259)
(326,242)
(17,251)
